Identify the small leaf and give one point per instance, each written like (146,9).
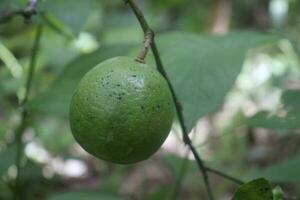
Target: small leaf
(259,189)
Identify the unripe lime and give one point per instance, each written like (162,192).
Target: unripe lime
(121,111)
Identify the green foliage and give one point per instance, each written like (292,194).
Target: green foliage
(72,15)
(11,4)
(194,62)
(284,171)
(290,120)
(265,119)
(259,189)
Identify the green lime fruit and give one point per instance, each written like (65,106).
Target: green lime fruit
(121,111)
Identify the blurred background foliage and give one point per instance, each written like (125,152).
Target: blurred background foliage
(234,65)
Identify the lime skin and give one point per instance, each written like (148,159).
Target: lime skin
(122,111)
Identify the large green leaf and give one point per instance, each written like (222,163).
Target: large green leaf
(73,14)
(291,102)
(285,171)
(203,69)
(56,100)
(80,195)
(259,189)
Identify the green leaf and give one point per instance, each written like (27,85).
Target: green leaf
(82,194)
(203,69)
(285,171)
(10,61)
(7,157)
(55,25)
(73,14)
(259,189)
(264,119)
(56,100)
(291,102)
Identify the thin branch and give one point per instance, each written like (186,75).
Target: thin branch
(146,28)
(26,13)
(20,130)
(226,176)
(32,63)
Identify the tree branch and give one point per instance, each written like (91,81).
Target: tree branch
(21,128)
(146,28)
(26,13)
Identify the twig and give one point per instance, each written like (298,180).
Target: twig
(20,130)
(146,28)
(226,176)
(26,13)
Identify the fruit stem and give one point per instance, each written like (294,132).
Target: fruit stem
(24,113)
(148,38)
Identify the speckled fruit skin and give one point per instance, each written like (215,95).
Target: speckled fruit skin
(121,111)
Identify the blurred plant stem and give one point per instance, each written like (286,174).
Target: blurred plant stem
(26,13)
(24,113)
(146,28)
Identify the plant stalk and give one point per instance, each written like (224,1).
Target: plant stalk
(24,113)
